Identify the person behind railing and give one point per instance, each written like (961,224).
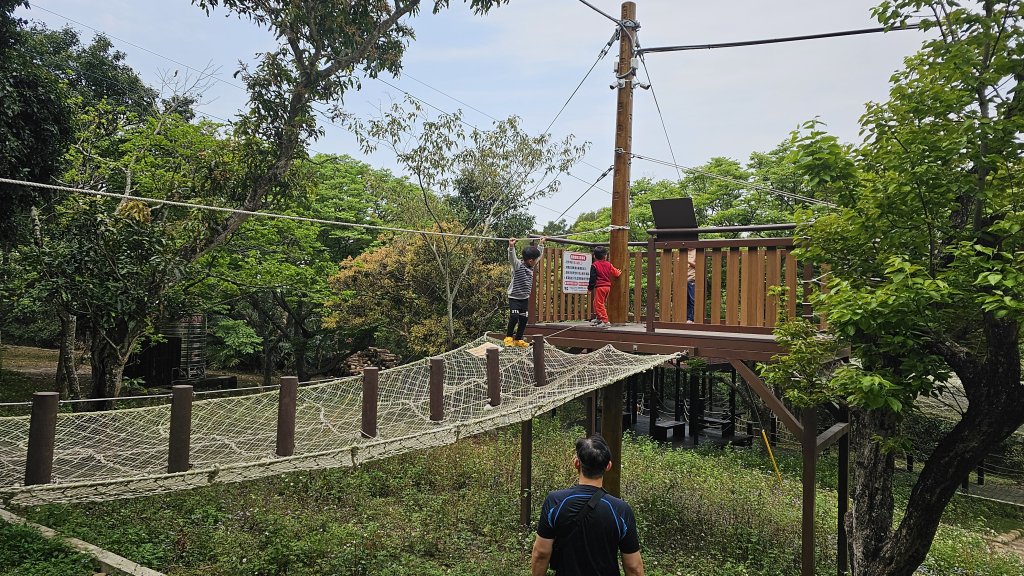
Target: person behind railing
(603,284)
(691,276)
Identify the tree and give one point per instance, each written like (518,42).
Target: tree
(274,273)
(926,254)
(485,179)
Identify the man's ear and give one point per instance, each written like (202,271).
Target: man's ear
(608,467)
(576,462)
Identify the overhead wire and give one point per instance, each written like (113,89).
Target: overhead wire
(736,181)
(661,116)
(775,40)
(327,117)
(580,197)
(196,206)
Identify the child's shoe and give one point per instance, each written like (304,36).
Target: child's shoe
(521,344)
(595,321)
(508,341)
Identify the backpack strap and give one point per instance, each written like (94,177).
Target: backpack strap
(585,511)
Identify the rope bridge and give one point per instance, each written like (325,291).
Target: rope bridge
(124,453)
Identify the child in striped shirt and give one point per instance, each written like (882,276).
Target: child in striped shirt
(519,290)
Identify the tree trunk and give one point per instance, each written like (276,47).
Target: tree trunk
(869,520)
(107,370)
(992,382)
(67,374)
(268,360)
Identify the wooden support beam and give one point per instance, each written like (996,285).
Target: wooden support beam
(180,439)
(540,375)
(42,433)
(286,399)
(831,436)
(526,474)
(436,389)
(611,429)
(808,448)
(371,390)
(843,496)
(493,377)
(769,398)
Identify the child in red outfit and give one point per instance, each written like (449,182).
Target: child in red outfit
(605,273)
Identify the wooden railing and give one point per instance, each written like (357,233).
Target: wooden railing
(732,284)
(733,281)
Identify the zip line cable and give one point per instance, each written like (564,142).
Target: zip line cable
(657,106)
(599,178)
(322,114)
(736,181)
(194,206)
(601,12)
(774,40)
(600,56)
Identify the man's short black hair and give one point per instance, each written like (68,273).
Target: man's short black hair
(531,253)
(594,456)
(600,253)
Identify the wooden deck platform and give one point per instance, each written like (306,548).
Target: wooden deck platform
(698,340)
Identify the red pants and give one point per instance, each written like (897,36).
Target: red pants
(600,296)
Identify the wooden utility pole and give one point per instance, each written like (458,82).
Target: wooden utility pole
(618,301)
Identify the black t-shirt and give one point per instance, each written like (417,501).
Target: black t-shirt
(593,549)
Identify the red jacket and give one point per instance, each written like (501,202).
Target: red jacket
(605,273)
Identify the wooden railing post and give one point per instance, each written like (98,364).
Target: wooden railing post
(436,389)
(526,473)
(539,373)
(652,282)
(42,433)
(286,402)
(493,377)
(180,440)
(809,449)
(370,397)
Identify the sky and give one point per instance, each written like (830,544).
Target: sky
(526,58)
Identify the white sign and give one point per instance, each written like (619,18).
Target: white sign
(575,272)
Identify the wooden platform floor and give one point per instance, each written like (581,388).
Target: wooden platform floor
(697,341)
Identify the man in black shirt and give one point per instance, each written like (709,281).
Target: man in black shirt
(582,529)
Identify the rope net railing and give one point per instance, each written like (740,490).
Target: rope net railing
(124,453)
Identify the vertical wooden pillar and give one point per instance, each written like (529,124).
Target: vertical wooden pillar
(652,284)
(653,400)
(493,377)
(696,416)
(539,374)
(42,432)
(618,300)
(180,440)
(286,402)
(611,429)
(371,394)
(809,449)
(436,389)
(591,414)
(843,490)
(526,474)
(981,473)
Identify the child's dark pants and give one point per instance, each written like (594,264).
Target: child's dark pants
(518,313)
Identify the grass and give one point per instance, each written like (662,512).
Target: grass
(24,552)
(454,510)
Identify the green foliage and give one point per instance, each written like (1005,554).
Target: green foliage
(453,510)
(24,552)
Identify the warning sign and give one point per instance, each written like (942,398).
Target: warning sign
(575,272)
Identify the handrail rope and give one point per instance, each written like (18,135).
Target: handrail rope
(263,214)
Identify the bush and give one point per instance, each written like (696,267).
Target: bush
(25,552)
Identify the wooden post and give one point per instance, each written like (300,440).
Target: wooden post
(526,474)
(618,301)
(843,490)
(42,433)
(981,473)
(679,401)
(436,389)
(493,377)
(694,422)
(591,413)
(611,429)
(654,402)
(180,439)
(539,374)
(910,462)
(286,402)
(809,448)
(371,389)
(652,284)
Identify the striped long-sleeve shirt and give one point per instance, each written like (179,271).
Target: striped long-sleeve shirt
(521,284)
